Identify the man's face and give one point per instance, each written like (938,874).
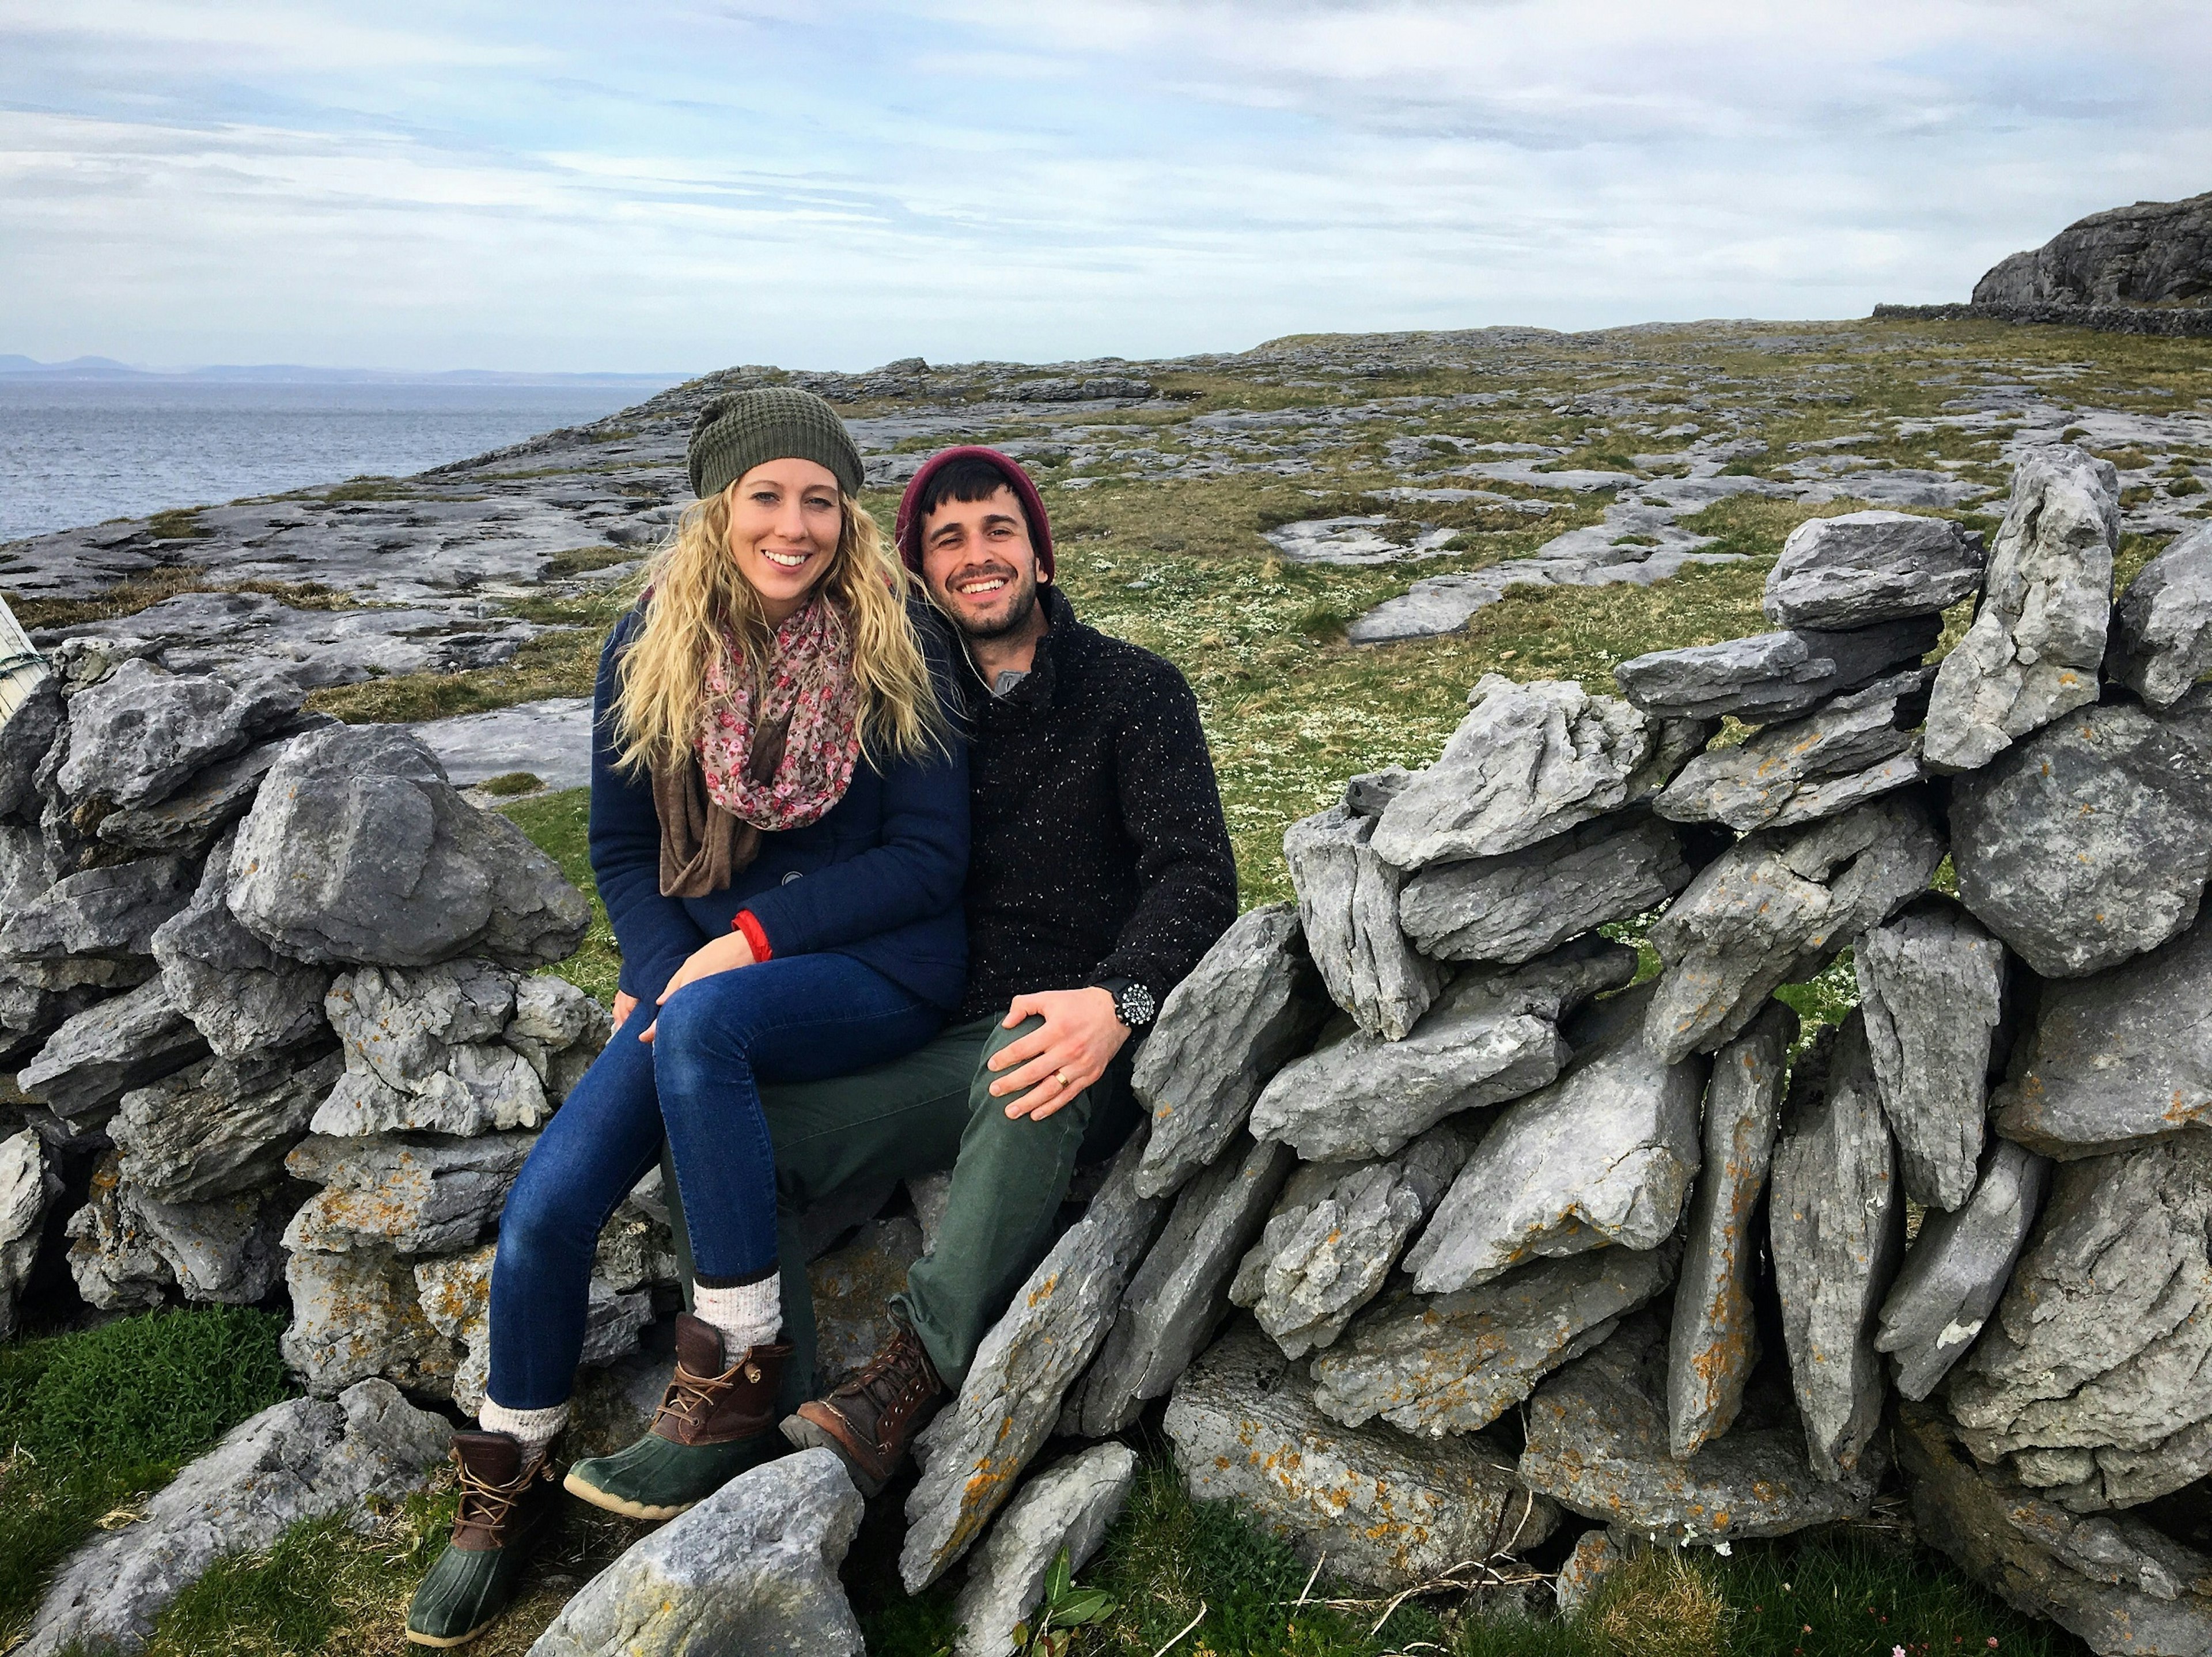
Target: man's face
(980,565)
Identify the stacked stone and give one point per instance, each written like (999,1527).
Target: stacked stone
(1427,1148)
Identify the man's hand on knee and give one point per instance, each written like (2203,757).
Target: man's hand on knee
(1064,1054)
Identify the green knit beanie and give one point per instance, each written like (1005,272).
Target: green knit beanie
(745,429)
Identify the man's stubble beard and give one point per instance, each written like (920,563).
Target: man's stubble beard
(1017,617)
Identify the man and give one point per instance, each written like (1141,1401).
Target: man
(1100,872)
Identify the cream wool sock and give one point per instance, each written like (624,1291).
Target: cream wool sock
(749,1315)
(533,1429)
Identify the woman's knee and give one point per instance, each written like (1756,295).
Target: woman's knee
(544,1217)
(704,1023)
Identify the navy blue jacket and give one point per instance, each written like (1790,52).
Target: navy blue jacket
(878,877)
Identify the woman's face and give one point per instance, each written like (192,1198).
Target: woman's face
(785,520)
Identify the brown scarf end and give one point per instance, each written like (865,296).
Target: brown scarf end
(703,847)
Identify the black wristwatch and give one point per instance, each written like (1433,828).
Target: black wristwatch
(1133,1002)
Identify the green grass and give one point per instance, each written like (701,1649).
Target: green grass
(560,824)
(92,1422)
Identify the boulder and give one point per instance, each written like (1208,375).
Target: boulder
(359,852)
(104,1052)
(1866,568)
(130,1249)
(1958,1267)
(559,1029)
(2159,642)
(1713,1344)
(751,1568)
(359,1315)
(424,1052)
(1515,908)
(1851,748)
(28,1186)
(1454,1363)
(1776,908)
(109,913)
(1069,1505)
(1598,1445)
(2089,1379)
(189,822)
(2090,841)
(135,736)
(1837,1230)
(2147,253)
(1179,1296)
(975,1450)
(2118,1059)
(2038,636)
(1377,1507)
(413,1197)
(1771,676)
(1603,1155)
(1336,1232)
(219,1126)
(1348,907)
(25,736)
(240,994)
(1932,988)
(1527,763)
(1249,1006)
(2122,1585)
(301,1459)
(1491,1036)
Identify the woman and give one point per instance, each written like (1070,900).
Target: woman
(780,833)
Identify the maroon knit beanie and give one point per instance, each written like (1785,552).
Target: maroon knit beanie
(908,531)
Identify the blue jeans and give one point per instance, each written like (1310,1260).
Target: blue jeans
(798,1019)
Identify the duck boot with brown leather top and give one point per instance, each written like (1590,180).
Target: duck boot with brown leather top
(505,1500)
(871,1420)
(715,1421)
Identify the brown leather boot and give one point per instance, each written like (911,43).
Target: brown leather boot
(504,1505)
(715,1422)
(871,1419)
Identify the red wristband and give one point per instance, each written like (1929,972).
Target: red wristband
(750,927)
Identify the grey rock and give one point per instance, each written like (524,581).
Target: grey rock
(110,913)
(1529,762)
(2088,841)
(975,1450)
(2117,1059)
(413,1197)
(753,1569)
(1597,1444)
(1603,1155)
(423,1051)
(1837,1229)
(1931,985)
(130,1248)
(1713,1344)
(1380,1508)
(359,1315)
(26,735)
(1491,1036)
(1069,1505)
(551,739)
(221,1126)
(1348,908)
(2159,642)
(1597,1554)
(359,852)
(301,1459)
(930,1195)
(455,1293)
(104,1052)
(853,1288)
(240,994)
(2122,1585)
(1771,676)
(188,820)
(28,867)
(1454,1363)
(1846,750)
(1178,1298)
(559,1029)
(1776,908)
(1865,567)
(1336,1232)
(2089,1378)
(1958,1267)
(28,1186)
(1522,904)
(136,736)
(2039,637)
(1251,1004)
(2148,253)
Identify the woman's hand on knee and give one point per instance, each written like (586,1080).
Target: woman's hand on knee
(724,955)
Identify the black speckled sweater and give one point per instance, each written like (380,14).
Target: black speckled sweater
(1098,849)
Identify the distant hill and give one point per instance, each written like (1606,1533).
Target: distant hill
(19,367)
(2152,253)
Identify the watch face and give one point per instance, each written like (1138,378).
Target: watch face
(1135,1004)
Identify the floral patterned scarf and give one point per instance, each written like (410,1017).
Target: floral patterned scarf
(774,751)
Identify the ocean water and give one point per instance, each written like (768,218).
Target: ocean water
(82,453)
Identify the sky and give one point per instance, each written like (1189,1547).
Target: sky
(653,187)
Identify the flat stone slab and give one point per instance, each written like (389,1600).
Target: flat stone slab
(551,740)
(1069,1505)
(1866,568)
(1771,676)
(1348,909)
(2159,642)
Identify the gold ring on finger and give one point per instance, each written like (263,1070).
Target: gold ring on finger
(1060,1077)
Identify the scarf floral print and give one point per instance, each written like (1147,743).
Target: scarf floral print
(777,753)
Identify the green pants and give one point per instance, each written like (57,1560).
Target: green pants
(929,1111)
